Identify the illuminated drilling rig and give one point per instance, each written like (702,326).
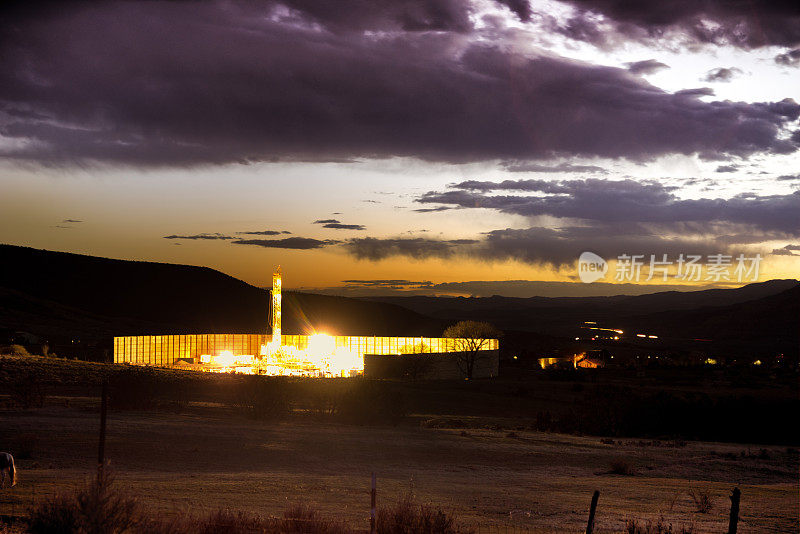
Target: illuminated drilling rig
(276,304)
(315,354)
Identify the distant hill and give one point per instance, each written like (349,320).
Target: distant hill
(57,294)
(61,296)
(756,318)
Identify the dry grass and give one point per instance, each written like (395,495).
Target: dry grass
(621,467)
(98,508)
(659,526)
(196,463)
(702,500)
(407,516)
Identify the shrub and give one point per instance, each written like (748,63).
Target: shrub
(296,520)
(28,390)
(24,445)
(370,403)
(302,519)
(621,467)
(98,508)
(407,517)
(134,388)
(18,350)
(262,398)
(702,501)
(56,515)
(633,526)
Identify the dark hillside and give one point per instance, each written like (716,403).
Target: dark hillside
(56,294)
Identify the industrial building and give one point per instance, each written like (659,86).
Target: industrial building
(315,354)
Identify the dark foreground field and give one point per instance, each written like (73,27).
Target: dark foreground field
(488,479)
(491,472)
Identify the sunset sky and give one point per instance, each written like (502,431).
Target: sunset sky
(437,147)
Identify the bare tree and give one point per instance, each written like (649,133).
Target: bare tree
(471,337)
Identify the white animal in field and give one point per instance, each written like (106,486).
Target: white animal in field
(7,469)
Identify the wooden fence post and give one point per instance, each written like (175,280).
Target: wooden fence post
(372,496)
(590,524)
(101,447)
(733,524)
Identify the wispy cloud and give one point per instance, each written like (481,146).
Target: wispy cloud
(338,225)
(648,66)
(202,237)
(264,232)
(296,243)
(721,74)
(788,250)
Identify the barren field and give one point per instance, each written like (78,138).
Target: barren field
(492,479)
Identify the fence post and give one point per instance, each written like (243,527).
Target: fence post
(733,524)
(101,447)
(590,524)
(372,505)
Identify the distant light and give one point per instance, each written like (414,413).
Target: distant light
(225,358)
(757,362)
(653,337)
(618,331)
(577,339)
(321,344)
(516,357)
(641,335)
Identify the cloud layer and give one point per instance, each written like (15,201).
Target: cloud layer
(741,23)
(622,201)
(228,82)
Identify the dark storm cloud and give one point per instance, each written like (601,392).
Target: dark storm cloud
(648,66)
(296,243)
(387,284)
(429,210)
(741,23)
(371,248)
(265,232)
(184,83)
(623,201)
(204,237)
(721,74)
(727,168)
(552,246)
(788,250)
(389,15)
(341,226)
(696,92)
(561,167)
(789,59)
(386,15)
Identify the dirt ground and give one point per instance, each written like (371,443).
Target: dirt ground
(492,480)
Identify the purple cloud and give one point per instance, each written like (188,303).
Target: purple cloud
(179,84)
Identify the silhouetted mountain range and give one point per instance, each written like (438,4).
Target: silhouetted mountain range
(72,295)
(56,294)
(756,318)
